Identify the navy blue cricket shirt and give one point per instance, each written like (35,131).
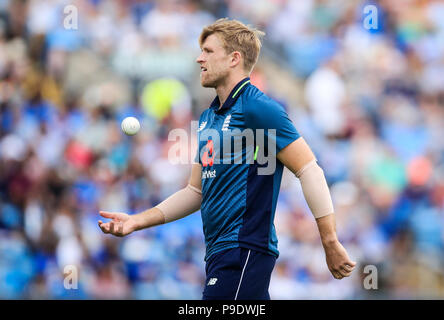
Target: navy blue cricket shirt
(238,204)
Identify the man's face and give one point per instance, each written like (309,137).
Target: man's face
(214,62)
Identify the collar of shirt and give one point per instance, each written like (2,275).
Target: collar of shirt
(232,97)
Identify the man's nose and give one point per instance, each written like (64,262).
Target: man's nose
(200,59)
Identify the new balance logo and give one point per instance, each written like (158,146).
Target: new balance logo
(226,123)
(212,282)
(202,125)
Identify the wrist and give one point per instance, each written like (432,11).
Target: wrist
(329,240)
(133,224)
(146,219)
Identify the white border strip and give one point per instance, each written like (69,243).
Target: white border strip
(242,275)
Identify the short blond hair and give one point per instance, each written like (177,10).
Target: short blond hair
(236,36)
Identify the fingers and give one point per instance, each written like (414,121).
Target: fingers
(347,268)
(351,263)
(104,226)
(344,273)
(108,215)
(115,227)
(338,261)
(336,274)
(112,227)
(344,270)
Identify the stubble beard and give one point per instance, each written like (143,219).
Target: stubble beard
(214,81)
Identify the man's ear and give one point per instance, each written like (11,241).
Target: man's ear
(236,58)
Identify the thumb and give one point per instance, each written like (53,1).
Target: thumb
(351,263)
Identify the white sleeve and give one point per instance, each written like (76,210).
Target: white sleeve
(181,204)
(315,189)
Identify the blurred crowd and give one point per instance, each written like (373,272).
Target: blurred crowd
(369,101)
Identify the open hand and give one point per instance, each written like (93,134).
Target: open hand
(120,225)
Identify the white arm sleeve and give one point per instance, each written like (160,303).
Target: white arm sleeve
(181,204)
(315,189)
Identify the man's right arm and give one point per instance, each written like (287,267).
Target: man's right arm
(177,206)
(185,201)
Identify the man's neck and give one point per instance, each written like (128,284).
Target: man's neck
(224,89)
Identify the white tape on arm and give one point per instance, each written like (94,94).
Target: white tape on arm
(315,189)
(181,204)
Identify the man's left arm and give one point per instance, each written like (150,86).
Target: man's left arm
(300,160)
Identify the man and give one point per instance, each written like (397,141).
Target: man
(237,202)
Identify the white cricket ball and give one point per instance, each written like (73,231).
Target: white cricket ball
(130,126)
